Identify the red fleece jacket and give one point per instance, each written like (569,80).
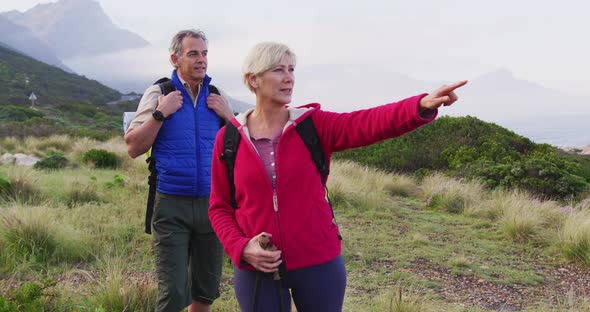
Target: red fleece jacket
(302,226)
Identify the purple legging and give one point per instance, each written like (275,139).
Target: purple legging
(317,288)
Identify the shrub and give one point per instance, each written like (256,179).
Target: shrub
(52,161)
(100,158)
(18,113)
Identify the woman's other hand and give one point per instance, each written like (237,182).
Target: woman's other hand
(445,95)
(262,260)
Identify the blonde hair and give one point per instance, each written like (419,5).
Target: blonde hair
(263,57)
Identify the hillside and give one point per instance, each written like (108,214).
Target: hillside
(66,103)
(472,148)
(20,75)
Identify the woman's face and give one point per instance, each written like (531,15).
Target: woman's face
(276,84)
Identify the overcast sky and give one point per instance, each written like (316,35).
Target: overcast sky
(542,41)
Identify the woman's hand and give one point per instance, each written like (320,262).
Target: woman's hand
(445,95)
(262,260)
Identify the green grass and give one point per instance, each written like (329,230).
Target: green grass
(83,228)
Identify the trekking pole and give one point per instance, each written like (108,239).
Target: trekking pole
(265,244)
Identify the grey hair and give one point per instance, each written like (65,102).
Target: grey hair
(176,43)
(263,57)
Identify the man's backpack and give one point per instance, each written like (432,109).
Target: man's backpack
(309,135)
(166,86)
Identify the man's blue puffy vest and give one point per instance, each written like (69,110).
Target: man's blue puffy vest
(184,145)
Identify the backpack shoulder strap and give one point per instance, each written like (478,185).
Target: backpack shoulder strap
(151,194)
(166,85)
(309,135)
(231,141)
(213,89)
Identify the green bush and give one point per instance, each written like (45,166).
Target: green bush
(101,158)
(535,173)
(52,161)
(18,113)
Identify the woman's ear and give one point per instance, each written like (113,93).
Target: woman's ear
(253,81)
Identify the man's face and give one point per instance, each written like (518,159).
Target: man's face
(191,65)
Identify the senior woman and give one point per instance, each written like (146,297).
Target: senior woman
(278,189)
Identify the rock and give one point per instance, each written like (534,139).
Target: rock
(7,159)
(25,160)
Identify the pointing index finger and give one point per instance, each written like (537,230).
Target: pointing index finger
(452,87)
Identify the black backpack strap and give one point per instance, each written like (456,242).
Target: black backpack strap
(166,85)
(310,137)
(213,89)
(151,194)
(231,141)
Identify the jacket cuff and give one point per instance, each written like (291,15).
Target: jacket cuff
(427,115)
(237,255)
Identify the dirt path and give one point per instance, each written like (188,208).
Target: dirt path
(563,285)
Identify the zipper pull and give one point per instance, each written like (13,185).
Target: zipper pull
(275,202)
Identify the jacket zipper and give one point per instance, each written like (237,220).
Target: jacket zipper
(195,106)
(275,201)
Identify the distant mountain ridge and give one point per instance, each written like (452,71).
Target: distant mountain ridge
(540,113)
(499,95)
(23,40)
(84,22)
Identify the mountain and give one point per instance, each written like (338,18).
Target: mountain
(498,95)
(76,28)
(543,114)
(22,39)
(21,75)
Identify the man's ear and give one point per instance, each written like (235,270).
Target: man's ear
(174,60)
